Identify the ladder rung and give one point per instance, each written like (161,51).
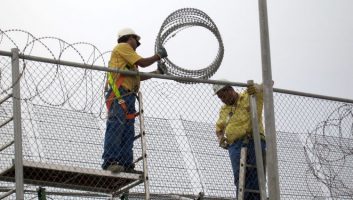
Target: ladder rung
(252,191)
(6,98)
(137,136)
(6,122)
(250,166)
(7,145)
(8,193)
(138,159)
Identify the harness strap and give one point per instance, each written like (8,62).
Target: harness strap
(116,94)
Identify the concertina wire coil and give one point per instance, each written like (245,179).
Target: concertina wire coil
(178,21)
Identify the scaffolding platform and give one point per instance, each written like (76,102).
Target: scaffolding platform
(62,176)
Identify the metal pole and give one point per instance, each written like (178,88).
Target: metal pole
(271,153)
(17,124)
(257,144)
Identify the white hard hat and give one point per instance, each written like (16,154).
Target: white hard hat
(218,87)
(127,31)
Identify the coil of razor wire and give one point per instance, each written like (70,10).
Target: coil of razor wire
(180,20)
(329,151)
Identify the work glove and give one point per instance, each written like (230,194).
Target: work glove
(162,53)
(223,143)
(161,68)
(251,89)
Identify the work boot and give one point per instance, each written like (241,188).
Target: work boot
(116,168)
(131,168)
(125,196)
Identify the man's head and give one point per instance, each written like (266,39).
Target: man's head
(225,93)
(127,35)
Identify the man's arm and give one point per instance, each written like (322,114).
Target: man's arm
(145,62)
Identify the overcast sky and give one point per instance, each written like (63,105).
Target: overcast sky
(311,40)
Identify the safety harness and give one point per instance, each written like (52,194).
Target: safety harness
(116,94)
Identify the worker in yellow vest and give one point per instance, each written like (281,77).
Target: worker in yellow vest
(234,130)
(120,100)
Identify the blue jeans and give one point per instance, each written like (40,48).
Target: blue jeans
(251,180)
(120,132)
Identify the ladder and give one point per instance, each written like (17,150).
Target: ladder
(124,193)
(258,153)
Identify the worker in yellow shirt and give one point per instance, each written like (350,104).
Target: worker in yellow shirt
(120,99)
(234,130)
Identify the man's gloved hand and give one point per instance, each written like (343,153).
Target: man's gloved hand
(251,89)
(161,68)
(223,143)
(162,53)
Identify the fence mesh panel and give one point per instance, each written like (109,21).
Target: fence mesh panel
(64,121)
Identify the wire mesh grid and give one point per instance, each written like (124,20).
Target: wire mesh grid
(64,121)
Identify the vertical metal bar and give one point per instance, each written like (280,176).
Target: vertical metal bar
(242,172)
(17,124)
(144,149)
(257,144)
(271,156)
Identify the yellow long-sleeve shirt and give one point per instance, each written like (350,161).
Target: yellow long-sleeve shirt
(124,57)
(238,124)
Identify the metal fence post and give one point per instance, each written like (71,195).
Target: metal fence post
(17,124)
(271,153)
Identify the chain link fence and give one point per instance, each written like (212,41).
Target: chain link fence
(64,121)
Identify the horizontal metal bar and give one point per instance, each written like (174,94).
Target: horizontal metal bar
(126,188)
(8,193)
(305,94)
(174,196)
(75,194)
(6,98)
(125,72)
(6,122)
(168,77)
(7,145)
(5,53)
